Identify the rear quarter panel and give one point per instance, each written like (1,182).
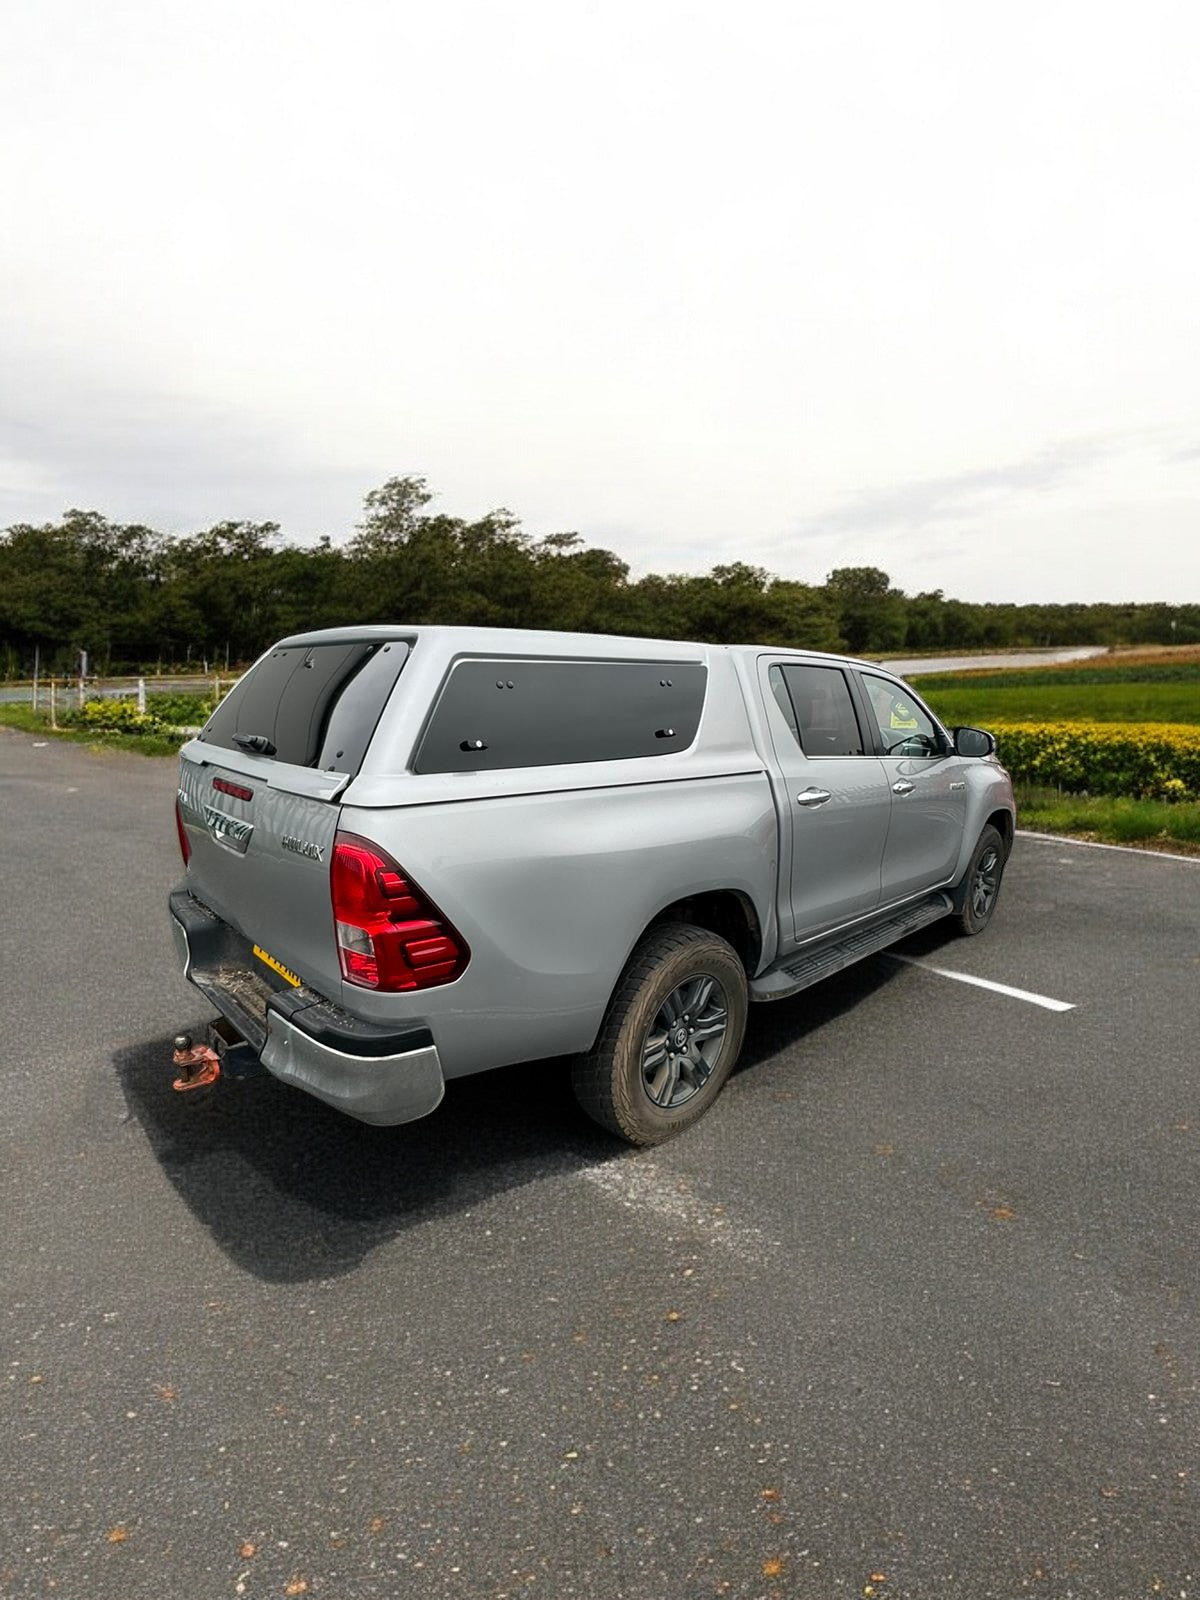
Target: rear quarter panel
(552,891)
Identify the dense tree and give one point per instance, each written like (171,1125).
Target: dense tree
(132,597)
(871,614)
(84,584)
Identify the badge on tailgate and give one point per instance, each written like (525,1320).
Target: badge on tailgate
(233,832)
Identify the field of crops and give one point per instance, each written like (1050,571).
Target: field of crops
(1107,750)
(999,699)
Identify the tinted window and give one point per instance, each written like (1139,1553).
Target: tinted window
(316,704)
(784,701)
(493,714)
(824,711)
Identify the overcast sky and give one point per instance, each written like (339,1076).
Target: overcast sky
(805,285)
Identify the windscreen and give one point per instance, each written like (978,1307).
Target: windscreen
(310,705)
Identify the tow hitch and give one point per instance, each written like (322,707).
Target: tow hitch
(226,1054)
(198,1064)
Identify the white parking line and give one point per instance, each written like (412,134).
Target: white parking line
(1096,844)
(986,983)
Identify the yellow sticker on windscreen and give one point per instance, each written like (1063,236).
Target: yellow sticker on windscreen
(277,966)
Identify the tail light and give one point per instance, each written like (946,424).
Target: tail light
(389,935)
(185,844)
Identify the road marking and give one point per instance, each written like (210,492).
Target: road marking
(986,983)
(1096,844)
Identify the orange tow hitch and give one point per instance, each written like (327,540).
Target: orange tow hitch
(199,1065)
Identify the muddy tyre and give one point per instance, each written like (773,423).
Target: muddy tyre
(670,1037)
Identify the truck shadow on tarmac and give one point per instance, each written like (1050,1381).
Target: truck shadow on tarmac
(292,1190)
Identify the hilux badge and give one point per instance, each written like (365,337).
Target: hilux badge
(303,847)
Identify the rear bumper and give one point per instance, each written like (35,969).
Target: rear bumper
(379,1075)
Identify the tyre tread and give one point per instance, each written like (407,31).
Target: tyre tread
(603,1093)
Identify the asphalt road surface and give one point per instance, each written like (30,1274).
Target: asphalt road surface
(912,1313)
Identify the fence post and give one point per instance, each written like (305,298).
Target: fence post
(53,712)
(217,691)
(141,697)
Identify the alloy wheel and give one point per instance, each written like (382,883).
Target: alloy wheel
(684,1041)
(986,883)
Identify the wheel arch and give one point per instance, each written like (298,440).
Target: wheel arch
(727,912)
(1005,826)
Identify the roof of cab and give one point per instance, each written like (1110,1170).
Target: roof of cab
(456,640)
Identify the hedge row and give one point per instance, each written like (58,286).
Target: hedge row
(1151,761)
(163,713)
(113,716)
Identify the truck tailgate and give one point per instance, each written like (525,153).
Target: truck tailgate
(258,796)
(260,857)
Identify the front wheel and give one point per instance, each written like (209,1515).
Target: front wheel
(672,1033)
(976,897)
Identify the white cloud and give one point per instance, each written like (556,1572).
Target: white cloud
(784,284)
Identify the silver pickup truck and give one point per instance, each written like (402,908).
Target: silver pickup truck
(416,853)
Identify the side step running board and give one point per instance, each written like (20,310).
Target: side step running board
(803,968)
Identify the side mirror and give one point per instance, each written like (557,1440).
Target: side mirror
(974,742)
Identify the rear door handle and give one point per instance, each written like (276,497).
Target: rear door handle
(813,797)
(902,786)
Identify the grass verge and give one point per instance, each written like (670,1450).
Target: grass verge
(25,720)
(1152,824)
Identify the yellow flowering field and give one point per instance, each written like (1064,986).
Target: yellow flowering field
(1149,761)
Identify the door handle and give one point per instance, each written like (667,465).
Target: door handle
(813,797)
(902,786)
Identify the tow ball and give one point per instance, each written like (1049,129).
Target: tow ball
(198,1064)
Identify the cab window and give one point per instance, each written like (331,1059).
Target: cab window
(822,712)
(904,727)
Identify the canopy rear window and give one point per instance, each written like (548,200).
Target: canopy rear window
(310,705)
(496,714)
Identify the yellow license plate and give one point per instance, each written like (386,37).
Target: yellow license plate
(277,966)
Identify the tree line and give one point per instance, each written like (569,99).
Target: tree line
(133,598)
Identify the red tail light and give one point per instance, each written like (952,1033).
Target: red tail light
(389,935)
(185,844)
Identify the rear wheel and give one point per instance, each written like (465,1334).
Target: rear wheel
(977,894)
(672,1033)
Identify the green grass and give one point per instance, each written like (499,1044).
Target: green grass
(979,704)
(25,720)
(1159,824)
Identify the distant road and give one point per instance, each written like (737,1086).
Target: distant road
(1027,658)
